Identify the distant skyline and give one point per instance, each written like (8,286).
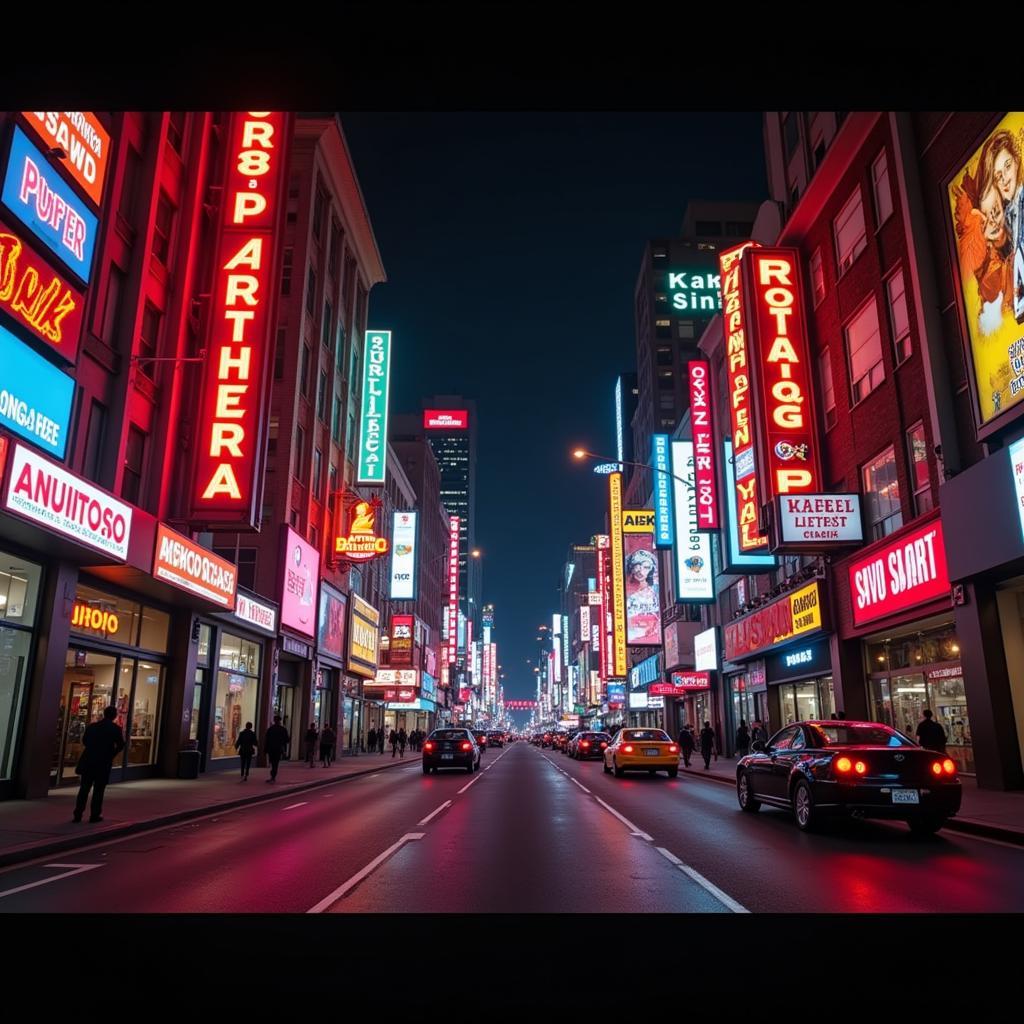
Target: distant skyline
(512,245)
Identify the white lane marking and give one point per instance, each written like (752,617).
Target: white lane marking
(374,775)
(468,784)
(438,810)
(635,830)
(642,835)
(77,870)
(722,897)
(333,898)
(292,807)
(584,788)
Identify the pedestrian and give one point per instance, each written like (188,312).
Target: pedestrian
(380,740)
(742,740)
(707,744)
(758,735)
(686,744)
(371,740)
(417,738)
(393,740)
(246,747)
(930,734)
(311,738)
(326,746)
(402,740)
(103,741)
(275,743)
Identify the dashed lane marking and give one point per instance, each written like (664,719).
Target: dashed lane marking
(346,887)
(291,807)
(722,897)
(584,788)
(438,810)
(634,830)
(75,869)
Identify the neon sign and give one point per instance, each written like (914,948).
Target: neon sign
(453,588)
(362,542)
(706,480)
(373,425)
(83,139)
(618,575)
(228,482)
(85,616)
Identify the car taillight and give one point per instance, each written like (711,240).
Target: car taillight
(628,749)
(466,745)
(428,745)
(949,766)
(936,767)
(860,767)
(584,743)
(843,764)
(673,749)
(603,744)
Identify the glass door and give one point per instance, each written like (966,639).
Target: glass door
(88,688)
(909,699)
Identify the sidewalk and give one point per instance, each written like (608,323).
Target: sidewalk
(986,812)
(41,828)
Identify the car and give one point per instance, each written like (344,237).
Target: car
(546,739)
(495,738)
(537,738)
(585,745)
(480,735)
(558,741)
(569,737)
(861,769)
(650,750)
(450,748)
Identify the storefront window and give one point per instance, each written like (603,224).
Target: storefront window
(153,634)
(145,713)
(19,594)
(103,616)
(237,692)
(88,689)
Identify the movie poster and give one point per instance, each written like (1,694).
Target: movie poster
(643,593)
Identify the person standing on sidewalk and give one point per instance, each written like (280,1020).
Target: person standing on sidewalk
(380,739)
(326,746)
(930,734)
(246,747)
(311,738)
(275,743)
(103,741)
(371,740)
(393,740)
(402,740)
(686,744)
(742,740)
(707,744)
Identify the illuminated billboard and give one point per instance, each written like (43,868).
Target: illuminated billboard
(701,421)
(373,423)
(361,543)
(986,201)
(189,566)
(734,558)
(401,646)
(453,588)
(228,484)
(618,575)
(693,293)
(695,579)
(446,419)
(664,527)
(330,635)
(300,578)
(404,540)
(363,637)
(643,590)
(81,139)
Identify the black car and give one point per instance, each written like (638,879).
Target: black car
(450,748)
(495,738)
(586,745)
(860,769)
(482,741)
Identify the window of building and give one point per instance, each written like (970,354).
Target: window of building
(300,444)
(325,327)
(95,439)
(238,684)
(360,309)
(353,374)
(334,249)
(304,371)
(130,185)
(791,133)
(332,483)
(318,463)
(134,454)
(176,131)
(273,427)
(738,228)
(828,394)
(162,229)
(917,452)
(662,329)
(880,186)
(350,441)
(817,277)
(311,291)
(336,420)
(667,401)
(112,305)
(319,204)
(148,337)
(286,270)
(864,352)
(321,397)
(899,319)
(664,356)
(665,382)
(882,494)
(293,519)
(279,354)
(339,347)
(849,232)
(685,329)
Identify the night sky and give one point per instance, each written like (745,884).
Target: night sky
(512,244)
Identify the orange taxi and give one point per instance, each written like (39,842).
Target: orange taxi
(650,750)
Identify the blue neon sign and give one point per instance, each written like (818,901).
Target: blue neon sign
(736,559)
(664,524)
(40,198)
(35,397)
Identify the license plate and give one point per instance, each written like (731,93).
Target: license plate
(905,796)
(447,757)
(652,751)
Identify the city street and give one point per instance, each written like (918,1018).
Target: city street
(512,838)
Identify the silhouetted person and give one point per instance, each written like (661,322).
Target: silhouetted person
(103,741)
(930,734)
(686,744)
(371,740)
(311,738)
(707,744)
(246,747)
(742,740)
(380,740)
(274,743)
(393,740)
(758,735)
(402,740)
(326,746)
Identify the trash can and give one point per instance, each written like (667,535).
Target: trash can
(188,764)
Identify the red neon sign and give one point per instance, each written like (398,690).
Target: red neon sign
(705,479)
(453,588)
(228,478)
(37,297)
(787,442)
(362,542)
(446,419)
(737,366)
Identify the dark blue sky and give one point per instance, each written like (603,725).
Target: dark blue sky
(512,243)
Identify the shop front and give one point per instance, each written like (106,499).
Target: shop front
(646,710)
(801,679)
(330,692)
(363,652)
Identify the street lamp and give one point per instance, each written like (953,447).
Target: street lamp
(581,453)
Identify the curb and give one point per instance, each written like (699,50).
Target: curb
(968,826)
(47,848)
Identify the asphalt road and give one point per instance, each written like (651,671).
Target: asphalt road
(533,831)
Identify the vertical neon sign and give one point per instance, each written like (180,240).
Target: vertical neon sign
(618,574)
(453,588)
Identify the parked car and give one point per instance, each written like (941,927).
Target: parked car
(450,748)
(650,750)
(861,769)
(480,735)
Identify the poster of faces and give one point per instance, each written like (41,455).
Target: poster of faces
(643,593)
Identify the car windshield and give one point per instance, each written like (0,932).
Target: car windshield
(449,734)
(645,734)
(595,736)
(858,736)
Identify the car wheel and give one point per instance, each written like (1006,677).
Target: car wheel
(745,794)
(673,772)
(604,765)
(803,807)
(619,772)
(926,826)
(426,769)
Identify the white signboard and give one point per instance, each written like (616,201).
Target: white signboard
(394,677)
(403,556)
(705,650)
(59,501)
(820,519)
(256,613)
(694,577)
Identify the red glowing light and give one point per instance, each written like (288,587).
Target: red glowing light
(936,767)
(843,764)
(860,767)
(949,766)
(628,749)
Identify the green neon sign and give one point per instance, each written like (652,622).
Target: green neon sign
(373,423)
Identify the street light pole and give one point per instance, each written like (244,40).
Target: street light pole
(582,453)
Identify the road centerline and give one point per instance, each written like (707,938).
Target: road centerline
(345,887)
(436,810)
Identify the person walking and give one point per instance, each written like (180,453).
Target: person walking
(371,740)
(707,744)
(311,738)
(742,739)
(246,747)
(393,740)
(103,741)
(380,739)
(275,743)
(686,744)
(402,740)
(930,734)
(326,746)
